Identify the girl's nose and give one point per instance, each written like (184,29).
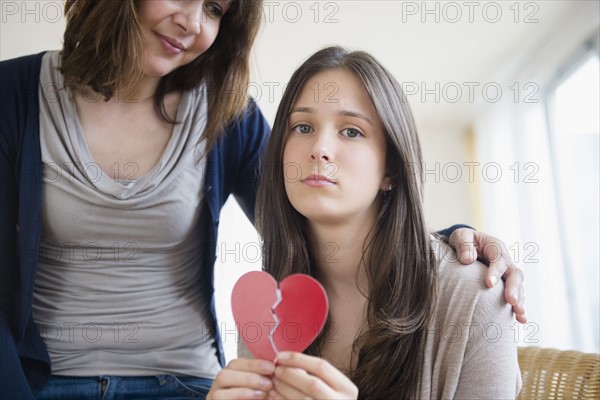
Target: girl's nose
(321,149)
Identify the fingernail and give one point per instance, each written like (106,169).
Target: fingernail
(266,367)
(494,280)
(513,295)
(264,382)
(283,356)
(258,393)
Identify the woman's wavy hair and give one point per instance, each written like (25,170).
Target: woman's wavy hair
(400,266)
(103,50)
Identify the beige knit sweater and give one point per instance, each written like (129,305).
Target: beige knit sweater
(471,351)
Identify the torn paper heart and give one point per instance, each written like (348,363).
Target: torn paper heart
(272,319)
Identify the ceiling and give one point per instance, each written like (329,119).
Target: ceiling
(459,46)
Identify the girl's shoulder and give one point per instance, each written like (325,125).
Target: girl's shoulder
(470,350)
(462,287)
(450,270)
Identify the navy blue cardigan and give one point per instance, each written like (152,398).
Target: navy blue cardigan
(232,168)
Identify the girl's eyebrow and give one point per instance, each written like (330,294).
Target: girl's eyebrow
(355,115)
(308,110)
(344,113)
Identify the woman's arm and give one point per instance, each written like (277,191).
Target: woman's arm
(250,135)
(471,245)
(18,113)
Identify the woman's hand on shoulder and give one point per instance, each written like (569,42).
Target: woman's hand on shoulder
(470,245)
(299,376)
(243,379)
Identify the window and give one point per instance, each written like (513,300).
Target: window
(573,106)
(548,209)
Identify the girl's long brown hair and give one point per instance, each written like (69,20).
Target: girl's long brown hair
(103,50)
(400,266)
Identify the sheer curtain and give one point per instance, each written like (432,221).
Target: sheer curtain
(542,137)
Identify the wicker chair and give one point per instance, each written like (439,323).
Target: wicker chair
(556,374)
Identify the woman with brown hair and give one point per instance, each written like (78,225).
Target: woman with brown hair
(118,153)
(405,320)
(118,168)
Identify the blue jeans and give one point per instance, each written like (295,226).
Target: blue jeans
(125,387)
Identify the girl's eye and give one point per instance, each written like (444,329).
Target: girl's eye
(351,133)
(303,128)
(214,9)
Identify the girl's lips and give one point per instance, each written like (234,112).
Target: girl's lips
(318,181)
(171,45)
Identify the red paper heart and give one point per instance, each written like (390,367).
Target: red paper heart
(301,312)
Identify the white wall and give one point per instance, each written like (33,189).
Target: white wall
(29,27)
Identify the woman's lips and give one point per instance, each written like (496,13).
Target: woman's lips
(171,45)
